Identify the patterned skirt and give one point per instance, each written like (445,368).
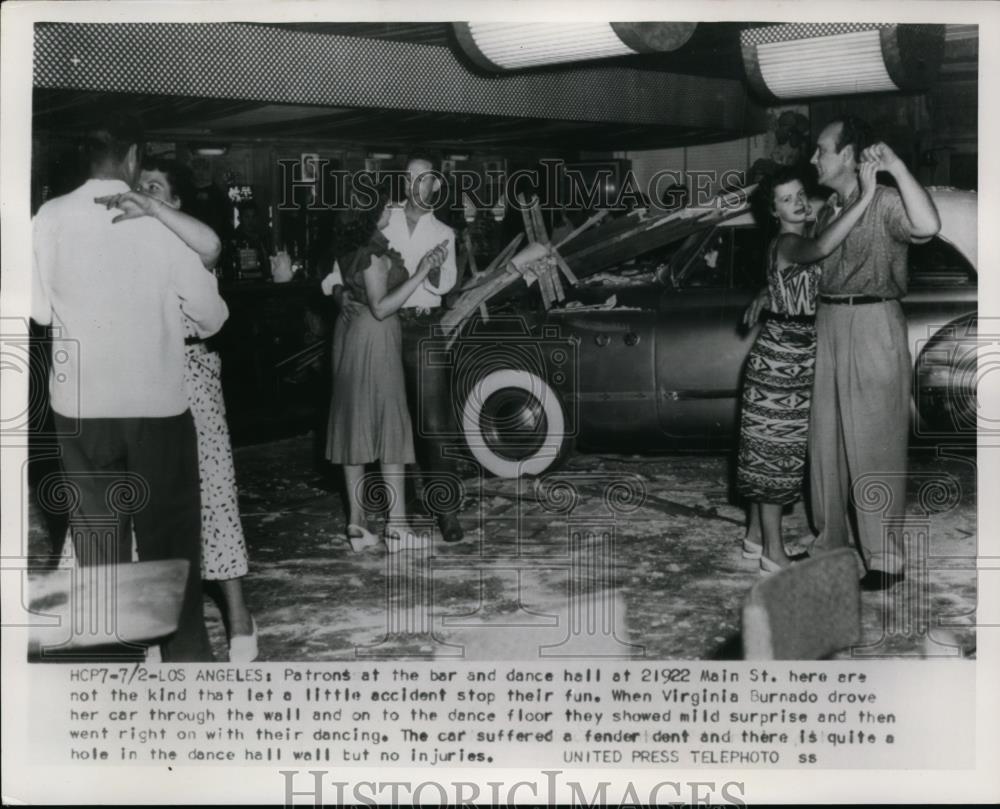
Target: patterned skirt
(223,548)
(774,419)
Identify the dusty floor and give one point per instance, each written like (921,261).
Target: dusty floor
(614,555)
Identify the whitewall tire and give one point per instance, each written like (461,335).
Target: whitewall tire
(514,424)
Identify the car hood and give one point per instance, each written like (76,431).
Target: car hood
(959,220)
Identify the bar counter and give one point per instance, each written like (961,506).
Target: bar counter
(275,357)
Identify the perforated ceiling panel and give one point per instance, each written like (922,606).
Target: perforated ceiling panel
(259,63)
(784,33)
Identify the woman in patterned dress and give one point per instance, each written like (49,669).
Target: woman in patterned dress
(369,417)
(224,555)
(777,388)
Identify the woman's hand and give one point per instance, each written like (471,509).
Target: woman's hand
(133,204)
(432,259)
(756,307)
(866,176)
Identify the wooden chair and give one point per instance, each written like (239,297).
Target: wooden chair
(806,611)
(81,607)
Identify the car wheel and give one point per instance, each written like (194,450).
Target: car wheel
(946,387)
(515,424)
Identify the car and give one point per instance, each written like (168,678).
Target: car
(657,364)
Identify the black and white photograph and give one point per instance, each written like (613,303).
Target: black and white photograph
(452,392)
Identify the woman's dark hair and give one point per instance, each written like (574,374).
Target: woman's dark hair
(359,224)
(762,201)
(177,174)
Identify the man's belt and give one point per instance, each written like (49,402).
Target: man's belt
(852,300)
(418,313)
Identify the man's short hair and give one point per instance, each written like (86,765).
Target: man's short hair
(426,157)
(853,132)
(112,137)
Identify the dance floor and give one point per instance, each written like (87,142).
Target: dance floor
(613,556)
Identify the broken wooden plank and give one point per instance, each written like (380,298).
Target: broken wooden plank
(529,223)
(565,268)
(543,288)
(535,212)
(467,239)
(463,261)
(499,261)
(552,269)
(641,239)
(472,299)
(593,220)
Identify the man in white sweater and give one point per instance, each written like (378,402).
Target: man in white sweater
(119,291)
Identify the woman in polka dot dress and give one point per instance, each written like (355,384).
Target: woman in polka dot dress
(224,553)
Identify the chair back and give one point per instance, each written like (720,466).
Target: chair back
(807,611)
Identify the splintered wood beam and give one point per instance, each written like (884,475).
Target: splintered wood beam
(593,220)
(452,321)
(529,224)
(460,269)
(504,255)
(565,268)
(535,212)
(470,252)
(553,272)
(501,259)
(543,288)
(643,237)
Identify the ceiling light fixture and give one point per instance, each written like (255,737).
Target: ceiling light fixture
(209,149)
(806,60)
(498,46)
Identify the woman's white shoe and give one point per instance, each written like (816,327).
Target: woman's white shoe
(243,648)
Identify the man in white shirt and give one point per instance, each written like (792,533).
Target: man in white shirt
(119,292)
(413,230)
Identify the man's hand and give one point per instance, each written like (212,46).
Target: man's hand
(924,219)
(133,205)
(757,305)
(349,308)
(866,177)
(884,158)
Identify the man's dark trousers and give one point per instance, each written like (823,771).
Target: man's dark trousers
(102,453)
(428,391)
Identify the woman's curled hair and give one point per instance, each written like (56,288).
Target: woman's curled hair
(359,224)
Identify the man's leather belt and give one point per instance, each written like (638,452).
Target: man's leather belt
(417,313)
(852,300)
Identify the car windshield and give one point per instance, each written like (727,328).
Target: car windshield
(727,256)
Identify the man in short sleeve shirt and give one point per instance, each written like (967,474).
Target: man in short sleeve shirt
(119,292)
(859,426)
(414,230)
